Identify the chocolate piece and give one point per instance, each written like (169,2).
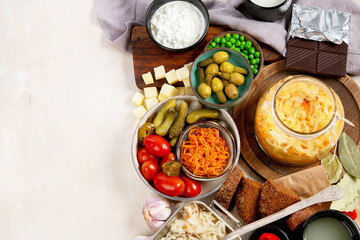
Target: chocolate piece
(322,58)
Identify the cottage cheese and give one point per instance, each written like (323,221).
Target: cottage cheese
(268,3)
(177,24)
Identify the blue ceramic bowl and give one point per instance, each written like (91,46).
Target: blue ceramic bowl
(237,60)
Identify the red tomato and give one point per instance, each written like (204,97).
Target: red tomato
(149,169)
(167,158)
(143,155)
(171,186)
(192,187)
(157,145)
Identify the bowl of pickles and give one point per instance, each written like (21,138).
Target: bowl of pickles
(221,78)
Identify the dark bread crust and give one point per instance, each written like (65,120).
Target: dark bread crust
(247,198)
(298,218)
(228,189)
(275,197)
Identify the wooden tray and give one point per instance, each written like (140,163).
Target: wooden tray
(244,115)
(147,55)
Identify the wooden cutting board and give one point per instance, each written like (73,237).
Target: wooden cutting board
(244,115)
(147,55)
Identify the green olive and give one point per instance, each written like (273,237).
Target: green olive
(204,90)
(226,67)
(216,85)
(237,79)
(231,91)
(220,57)
(212,69)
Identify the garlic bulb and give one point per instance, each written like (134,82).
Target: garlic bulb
(156,211)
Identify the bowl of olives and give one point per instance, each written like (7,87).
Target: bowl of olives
(242,43)
(221,78)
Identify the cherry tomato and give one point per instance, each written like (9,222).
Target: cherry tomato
(171,186)
(192,187)
(149,169)
(143,155)
(157,145)
(170,157)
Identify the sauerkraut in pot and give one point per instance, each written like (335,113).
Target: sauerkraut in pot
(196,223)
(305,108)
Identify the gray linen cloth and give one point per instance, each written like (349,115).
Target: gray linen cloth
(117,17)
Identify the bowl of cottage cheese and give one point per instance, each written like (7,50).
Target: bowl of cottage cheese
(177,25)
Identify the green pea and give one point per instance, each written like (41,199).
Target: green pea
(213,44)
(257,54)
(255,71)
(251,56)
(257,60)
(246,52)
(217,39)
(252,67)
(217,45)
(249,43)
(232,40)
(236,36)
(233,47)
(237,49)
(247,46)
(222,40)
(242,47)
(246,56)
(242,38)
(228,35)
(252,61)
(256,66)
(252,50)
(223,45)
(228,44)
(209,47)
(237,43)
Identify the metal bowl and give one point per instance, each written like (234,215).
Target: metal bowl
(224,133)
(207,188)
(155,5)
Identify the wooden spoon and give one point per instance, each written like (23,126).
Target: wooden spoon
(331,193)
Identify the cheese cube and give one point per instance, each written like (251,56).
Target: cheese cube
(171,77)
(138,99)
(159,72)
(150,92)
(139,111)
(150,102)
(188,65)
(186,82)
(182,73)
(147,77)
(189,91)
(167,91)
(181,90)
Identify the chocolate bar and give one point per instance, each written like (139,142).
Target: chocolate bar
(324,58)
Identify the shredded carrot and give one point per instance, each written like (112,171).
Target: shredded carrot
(205,152)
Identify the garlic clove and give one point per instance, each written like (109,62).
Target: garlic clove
(155,224)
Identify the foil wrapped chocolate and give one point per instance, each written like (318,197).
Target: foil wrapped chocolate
(318,41)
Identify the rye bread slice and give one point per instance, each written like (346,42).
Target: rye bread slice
(275,197)
(227,191)
(247,197)
(298,218)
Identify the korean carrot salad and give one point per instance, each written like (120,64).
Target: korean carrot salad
(302,107)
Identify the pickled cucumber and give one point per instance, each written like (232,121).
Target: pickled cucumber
(208,79)
(165,126)
(179,123)
(145,130)
(206,62)
(221,96)
(225,76)
(200,114)
(240,70)
(201,73)
(161,115)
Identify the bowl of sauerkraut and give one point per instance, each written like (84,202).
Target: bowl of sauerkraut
(193,220)
(298,120)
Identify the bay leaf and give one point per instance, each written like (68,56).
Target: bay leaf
(333,167)
(349,155)
(351,187)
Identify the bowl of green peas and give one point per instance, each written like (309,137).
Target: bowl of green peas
(242,43)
